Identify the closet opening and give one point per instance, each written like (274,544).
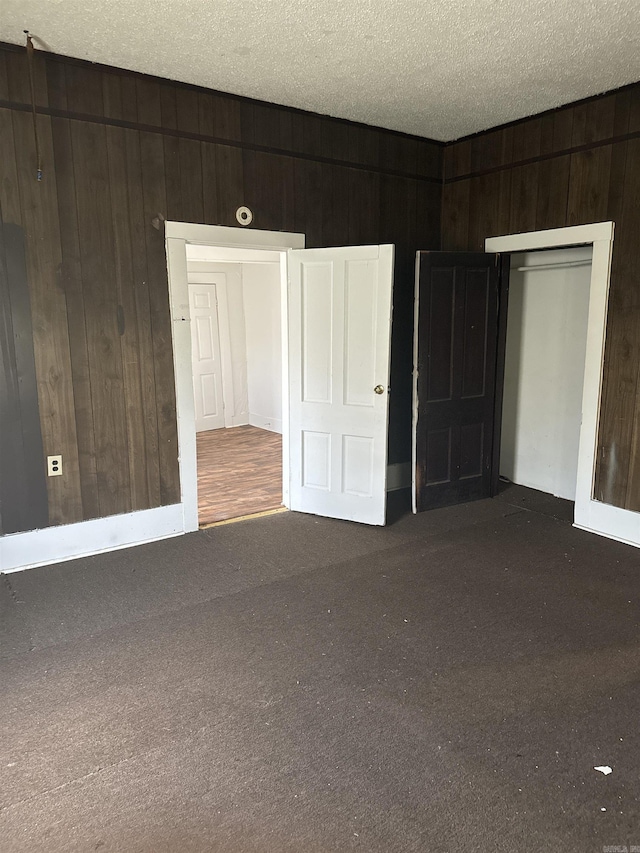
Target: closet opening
(546,343)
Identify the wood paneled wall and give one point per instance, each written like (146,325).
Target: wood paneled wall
(572,166)
(23,493)
(118,149)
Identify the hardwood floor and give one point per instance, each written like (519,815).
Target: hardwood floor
(239,472)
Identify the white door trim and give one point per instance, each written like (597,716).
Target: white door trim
(178,234)
(592,515)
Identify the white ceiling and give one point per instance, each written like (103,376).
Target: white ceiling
(437,68)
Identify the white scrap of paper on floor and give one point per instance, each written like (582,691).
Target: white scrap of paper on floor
(604,769)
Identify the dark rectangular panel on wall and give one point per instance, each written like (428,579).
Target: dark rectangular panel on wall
(98,264)
(572,166)
(23,491)
(126,318)
(553,189)
(617,472)
(230,184)
(307,176)
(71,282)
(632,227)
(138,323)
(154,202)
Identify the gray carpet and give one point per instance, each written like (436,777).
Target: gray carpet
(447,683)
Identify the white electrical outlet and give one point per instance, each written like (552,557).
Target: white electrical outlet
(54,466)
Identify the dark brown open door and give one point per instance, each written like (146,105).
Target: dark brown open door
(459,364)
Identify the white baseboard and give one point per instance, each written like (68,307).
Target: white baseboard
(612,522)
(271,424)
(34,548)
(398,476)
(616,538)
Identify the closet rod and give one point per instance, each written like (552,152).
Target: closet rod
(558,266)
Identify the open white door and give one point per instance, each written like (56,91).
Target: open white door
(339,355)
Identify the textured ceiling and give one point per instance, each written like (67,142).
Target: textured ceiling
(437,68)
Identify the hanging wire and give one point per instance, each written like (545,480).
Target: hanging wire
(33,104)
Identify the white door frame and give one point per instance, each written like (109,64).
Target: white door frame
(590,514)
(177,235)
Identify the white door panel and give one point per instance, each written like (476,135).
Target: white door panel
(205,353)
(339,352)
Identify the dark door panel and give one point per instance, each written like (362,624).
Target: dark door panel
(457,301)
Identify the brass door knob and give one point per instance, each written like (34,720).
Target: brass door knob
(379,389)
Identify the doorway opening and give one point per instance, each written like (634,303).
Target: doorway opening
(235,306)
(231,246)
(546,341)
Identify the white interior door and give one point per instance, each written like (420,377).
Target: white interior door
(339,355)
(205,355)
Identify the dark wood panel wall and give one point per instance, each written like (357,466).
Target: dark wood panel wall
(118,149)
(23,493)
(572,166)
